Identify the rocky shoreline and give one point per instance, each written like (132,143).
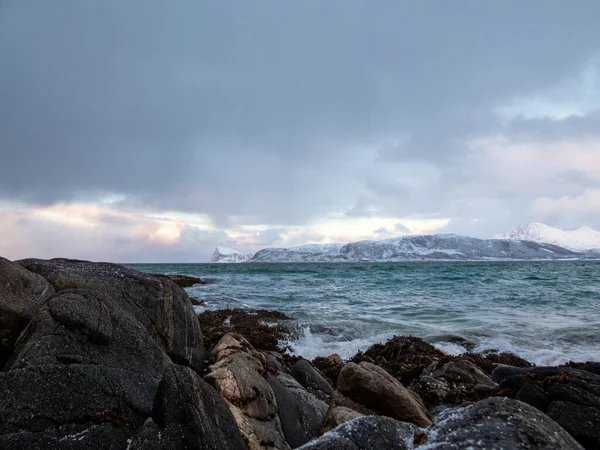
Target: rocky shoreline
(94,355)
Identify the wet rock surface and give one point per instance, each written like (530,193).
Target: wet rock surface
(571,397)
(312,380)
(372,432)
(97,342)
(375,389)
(497,423)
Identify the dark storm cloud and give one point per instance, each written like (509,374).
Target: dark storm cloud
(263,109)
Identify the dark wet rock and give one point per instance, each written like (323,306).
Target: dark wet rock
(276,362)
(238,376)
(569,396)
(582,422)
(194,412)
(370,432)
(182,280)
(196,301)
(503,371)
(139,304)
(69,436)
(338,415)
(86,370)
(497,423)
(21,293)
(263,329)
(312,380)
(592,367)
(330,367)
(300,412)
(374,388)
(453,382)
(404,357)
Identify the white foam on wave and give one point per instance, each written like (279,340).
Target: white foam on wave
(310,345)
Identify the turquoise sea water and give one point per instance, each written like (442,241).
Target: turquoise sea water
(547,312)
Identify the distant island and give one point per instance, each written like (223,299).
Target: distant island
(535,241)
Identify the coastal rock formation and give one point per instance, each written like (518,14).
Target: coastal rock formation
(453,382)
(300,412)
(238,376)
(571,397)
(99,352)
(273,411)
(491,423)
(497,423)
(373,432)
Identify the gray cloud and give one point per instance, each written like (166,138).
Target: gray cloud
(278,113)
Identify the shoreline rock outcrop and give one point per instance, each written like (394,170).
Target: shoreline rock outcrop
(98,347)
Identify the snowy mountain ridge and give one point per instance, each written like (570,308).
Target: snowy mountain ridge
(416,248)
(580,239)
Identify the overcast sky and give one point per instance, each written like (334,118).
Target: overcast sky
(153,130)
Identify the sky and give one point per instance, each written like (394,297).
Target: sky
(153,130)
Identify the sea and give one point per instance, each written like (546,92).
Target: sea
(547,312)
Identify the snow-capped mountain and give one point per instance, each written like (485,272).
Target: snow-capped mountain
(417,248)
(581,239)
(228,255)
(303,253)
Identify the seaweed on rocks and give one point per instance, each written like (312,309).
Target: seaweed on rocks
(489,361)
(404,357)
(329,367)
(262,328)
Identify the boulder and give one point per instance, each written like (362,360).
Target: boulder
(301,413)
(238,376)
(192,413)
(371,386)
(312,380)
(497,423)
(369,432)
(452,382)
(571,397)
(100,347)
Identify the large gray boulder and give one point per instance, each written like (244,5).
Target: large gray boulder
(312,380)
(300,412)
(368,432)
(497,423)
(99,340)
(190,414)
(571,397)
